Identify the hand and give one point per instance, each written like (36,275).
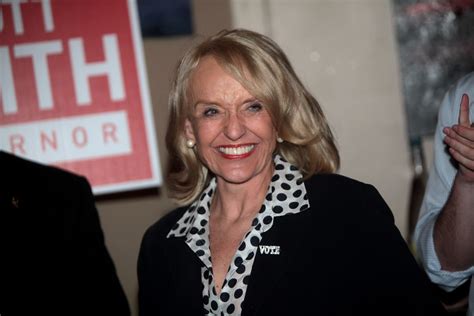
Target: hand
(460,140)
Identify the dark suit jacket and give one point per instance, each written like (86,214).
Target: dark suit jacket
(343,256)
(53,257)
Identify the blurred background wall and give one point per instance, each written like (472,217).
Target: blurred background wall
(344,51)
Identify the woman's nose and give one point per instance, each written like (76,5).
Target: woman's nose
(234,127)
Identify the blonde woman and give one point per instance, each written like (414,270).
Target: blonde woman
(266,227)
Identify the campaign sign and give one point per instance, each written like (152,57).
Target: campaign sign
(73,90)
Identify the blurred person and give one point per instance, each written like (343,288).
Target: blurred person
(444,233)
(53,257)
(266,227)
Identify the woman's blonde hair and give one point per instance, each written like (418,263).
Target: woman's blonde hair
(262,68)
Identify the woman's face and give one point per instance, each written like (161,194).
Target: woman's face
(233,131)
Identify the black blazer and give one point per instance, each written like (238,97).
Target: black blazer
(343,256)
(53,257)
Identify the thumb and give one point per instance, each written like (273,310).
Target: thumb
(464,111)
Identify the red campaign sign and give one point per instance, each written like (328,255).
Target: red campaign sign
(73,90)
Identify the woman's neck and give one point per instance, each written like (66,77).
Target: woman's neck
(234,202)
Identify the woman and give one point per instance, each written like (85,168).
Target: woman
(266,228)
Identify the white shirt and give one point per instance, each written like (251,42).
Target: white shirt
(439,185)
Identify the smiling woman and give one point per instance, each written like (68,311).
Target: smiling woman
(266,228)
(233,131)
(256,65)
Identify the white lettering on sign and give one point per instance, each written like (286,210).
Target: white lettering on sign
(65,87)
(47,15)
(16,14)
(81,70)
(18,17)
(69,139)
(7,85)
(111,67)
(39,52)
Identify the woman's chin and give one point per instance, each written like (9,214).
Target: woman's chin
(240,176)
(235,178)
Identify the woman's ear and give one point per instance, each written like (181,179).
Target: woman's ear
(188,130)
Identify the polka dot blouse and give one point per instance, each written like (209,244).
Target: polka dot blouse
(286,195)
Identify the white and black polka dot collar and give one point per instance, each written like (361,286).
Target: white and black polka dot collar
(286,195)
(286,188)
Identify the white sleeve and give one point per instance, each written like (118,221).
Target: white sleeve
(439,185)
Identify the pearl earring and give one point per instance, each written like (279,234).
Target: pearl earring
(190,143)
(279,140)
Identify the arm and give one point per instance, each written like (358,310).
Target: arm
(454,229)
(155,290)
(146,269)
(399,285)
(97,280)
(169,274)
(439,187)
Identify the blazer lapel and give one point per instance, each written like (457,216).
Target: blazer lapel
(270,265)
(186,273)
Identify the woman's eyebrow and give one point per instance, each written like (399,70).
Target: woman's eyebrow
(204,103)
(249,100)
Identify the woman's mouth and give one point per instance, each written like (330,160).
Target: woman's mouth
(236,151)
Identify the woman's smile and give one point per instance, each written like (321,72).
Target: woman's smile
(236,151)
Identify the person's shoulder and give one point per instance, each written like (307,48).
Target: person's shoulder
(449,108)
(338,194)
(334,183)
(466,82)
(155,237)
(463,85)
(162,226)
(38,175)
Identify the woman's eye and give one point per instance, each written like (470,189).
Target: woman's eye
(255,107)
(210,112)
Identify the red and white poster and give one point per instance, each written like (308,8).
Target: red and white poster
(74,93)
